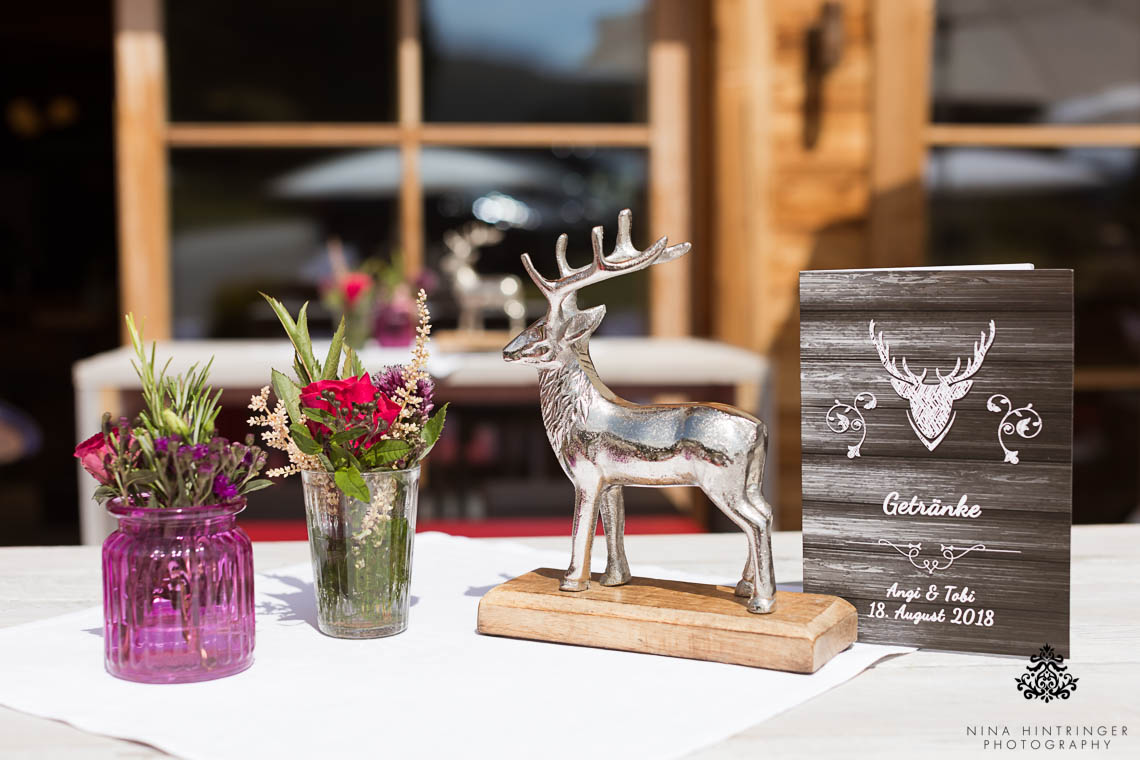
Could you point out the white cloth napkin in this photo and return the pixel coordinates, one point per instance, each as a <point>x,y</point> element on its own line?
<point>439,690</point>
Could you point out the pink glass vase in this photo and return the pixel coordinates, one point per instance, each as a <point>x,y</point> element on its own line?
<point>177,594</point>
<point>395,327</point>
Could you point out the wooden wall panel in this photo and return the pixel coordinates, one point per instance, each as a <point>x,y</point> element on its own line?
<point>741,171</point>
<point>903,34</point>
<point>782,205</point>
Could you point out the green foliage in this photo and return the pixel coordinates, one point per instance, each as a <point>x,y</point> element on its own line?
<point>385,453</point>
<point>350,439</point>
<point>304,362</point>
<point>182,405</point>
<point>352,483</point>
<point>288,392</point>
<point>169,456</point>
<point>432,430</point>
<point>333,356</point>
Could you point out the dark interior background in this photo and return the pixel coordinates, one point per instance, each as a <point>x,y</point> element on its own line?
<point>58,296</point>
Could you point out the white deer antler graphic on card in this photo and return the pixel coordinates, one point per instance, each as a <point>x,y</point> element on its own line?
<point>931,410</point>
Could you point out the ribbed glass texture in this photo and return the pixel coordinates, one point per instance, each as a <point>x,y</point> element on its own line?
<point>362,552</point>
<point>177,594</point>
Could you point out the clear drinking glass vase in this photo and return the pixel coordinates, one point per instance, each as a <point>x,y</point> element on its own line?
<point>362,552</point>
<point>177,594</point>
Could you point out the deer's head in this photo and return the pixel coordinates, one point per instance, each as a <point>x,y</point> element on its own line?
<point>557,336</point>
<point>931,410</point>
<point>463,244</point>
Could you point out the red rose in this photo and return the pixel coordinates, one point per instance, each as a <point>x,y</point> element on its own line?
<point>352,390</point>
<point>94,453</point>
<point>353,285</point>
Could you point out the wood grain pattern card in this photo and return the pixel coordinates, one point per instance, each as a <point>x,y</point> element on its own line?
<point>936,418</point>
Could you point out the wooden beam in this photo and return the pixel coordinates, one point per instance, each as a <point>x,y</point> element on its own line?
<point>140,155</point>
<point>409,75</point>
<point>188,135</point>
<point>901,39</point>
<point>1033,135</point>
<point>1106,379</point>
<point>268,135</point>
<point>537,135</point>
<point>670,165</point>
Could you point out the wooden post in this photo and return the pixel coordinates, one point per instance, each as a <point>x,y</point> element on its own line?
<point>670,200</point>
<point>742,167</point>
<point>410,104</point>
<point>140,149</point>
<point>901,39</point>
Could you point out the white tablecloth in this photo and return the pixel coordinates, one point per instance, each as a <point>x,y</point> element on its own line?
<point>438,690</point>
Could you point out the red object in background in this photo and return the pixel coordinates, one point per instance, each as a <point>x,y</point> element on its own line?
<point>294,530</point>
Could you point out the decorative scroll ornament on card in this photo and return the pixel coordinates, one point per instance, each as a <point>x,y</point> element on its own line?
<point>1024,421</point>
<point>931,412</point>
<point>843,418</point>
<point>950,553</point>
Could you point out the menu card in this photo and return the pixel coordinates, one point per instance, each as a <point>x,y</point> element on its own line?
<point>936,418</point>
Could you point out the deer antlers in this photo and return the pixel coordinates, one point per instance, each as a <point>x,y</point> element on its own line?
<point>625,258</point>
<point>981,346</point>
<point>889,364</point>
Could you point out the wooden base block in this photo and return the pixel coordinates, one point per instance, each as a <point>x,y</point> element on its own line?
<point>693,620</point>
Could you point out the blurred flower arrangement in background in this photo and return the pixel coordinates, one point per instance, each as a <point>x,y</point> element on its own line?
<point>376,299</point>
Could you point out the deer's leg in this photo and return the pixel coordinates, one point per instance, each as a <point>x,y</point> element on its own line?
<point>587,501</point>
<point>613,522</point>
<point>763,582</point>
<point>761,595</point>
<point>758,512</point>
<point>745,586</point>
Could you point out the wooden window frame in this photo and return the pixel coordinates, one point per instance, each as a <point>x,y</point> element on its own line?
<point>903,136</point>
<point>144,136</point>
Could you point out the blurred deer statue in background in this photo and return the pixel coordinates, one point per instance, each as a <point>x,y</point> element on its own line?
<point>604,442</point>
<point>476,293</point>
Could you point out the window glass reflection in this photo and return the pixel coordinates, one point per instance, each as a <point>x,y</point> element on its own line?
<point>532,196</point>
<point>1072,208</point>
<point>1050,61</point>
<point>290,60</point>
<point>522,61</point>
<point>250,220</point>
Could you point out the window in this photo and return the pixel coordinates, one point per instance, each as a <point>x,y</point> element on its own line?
<point>1032,154</point>
<point>248,138</point>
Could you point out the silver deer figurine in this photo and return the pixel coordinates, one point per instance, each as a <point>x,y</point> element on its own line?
<point>476,293</point>
<point>604,442</point>
<point>931,411</point>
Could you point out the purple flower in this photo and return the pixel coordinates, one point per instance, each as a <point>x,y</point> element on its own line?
<point>200,451</point>
<point>391,378</point>
<point>425,389</point>
<point>224,489</point>
<point>162,444</point>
